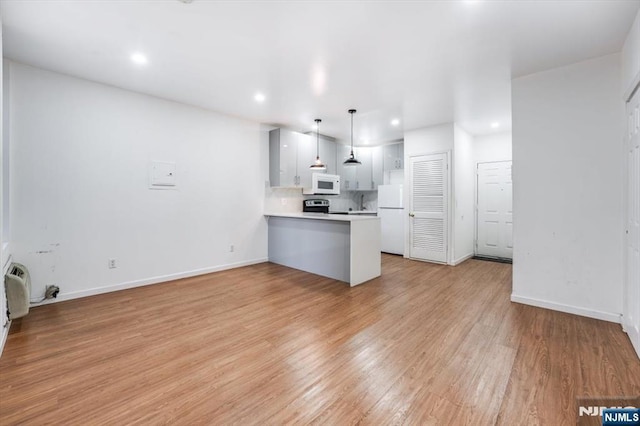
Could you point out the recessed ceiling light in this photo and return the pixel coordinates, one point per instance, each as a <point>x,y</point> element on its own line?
<point>139,58</point>
<point>259,97</point>
<point>395,122</point>
<point>495,125</point>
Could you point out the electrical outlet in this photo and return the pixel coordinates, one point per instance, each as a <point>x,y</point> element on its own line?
<point>231,248</point>
<point>51,292</point>
<point>112,264</point>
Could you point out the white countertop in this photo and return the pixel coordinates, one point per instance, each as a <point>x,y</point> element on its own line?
<point>325,216</point>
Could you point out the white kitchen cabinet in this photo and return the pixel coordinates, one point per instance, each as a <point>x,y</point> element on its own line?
<point>347,173</point>
<point>290,155</point>
<point>306,156</point>
<point>394,157</point>
<point>328,156</point>
<point>282,158</point>
<point>364,177</point>
<point>364,170</point>
<point>377,166</point>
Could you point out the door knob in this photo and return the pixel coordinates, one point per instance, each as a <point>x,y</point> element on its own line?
<point>411,215</point>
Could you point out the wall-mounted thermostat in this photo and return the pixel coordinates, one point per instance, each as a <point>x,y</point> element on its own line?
<point>162,175</point>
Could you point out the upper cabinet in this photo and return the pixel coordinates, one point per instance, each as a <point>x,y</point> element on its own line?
<point>283,145</point>
<point>364,177</point>
<point>306,157</point>
<point>347,173</point>
<point>393,157</point>
<point>291,154</point>
<point>377,166</point>
<point>363,171</point>
<point>328,154</point>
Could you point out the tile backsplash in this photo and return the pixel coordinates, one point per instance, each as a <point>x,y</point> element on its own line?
<point>281,200</point>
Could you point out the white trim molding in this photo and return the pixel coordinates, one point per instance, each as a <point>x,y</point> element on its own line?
<point>462,259</point>
<point>148,281</point>
<point>634,335</point>
<point>569,309</point>
<point>4,334</point>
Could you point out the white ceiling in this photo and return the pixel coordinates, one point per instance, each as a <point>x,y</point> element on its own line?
<point>425,62</point>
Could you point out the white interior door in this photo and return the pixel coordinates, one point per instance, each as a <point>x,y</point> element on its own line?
<point>495,210</point>
<point>632,285</point>
<point>429,200</point>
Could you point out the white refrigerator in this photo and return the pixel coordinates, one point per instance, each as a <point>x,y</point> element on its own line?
<point>391,213</point>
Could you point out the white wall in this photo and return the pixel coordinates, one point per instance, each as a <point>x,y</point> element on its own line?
<point>630,79</point>
<point>492,147</point>
<point>568,180</point>
<point>631,59</point>
<point>80,156</point>
<point>4,195</point>
<point>429,140</point>
<point>464,195</point>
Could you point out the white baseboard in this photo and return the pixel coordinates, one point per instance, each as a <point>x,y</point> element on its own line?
<point>462,259</point>
<point>148,281</point>
<point>569,309</point>
<point>4,333</point>
<point>634,335</point>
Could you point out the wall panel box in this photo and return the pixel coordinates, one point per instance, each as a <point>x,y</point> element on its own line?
<point>162,175</point>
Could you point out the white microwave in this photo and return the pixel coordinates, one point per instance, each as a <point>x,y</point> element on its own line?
<point>323,184</point>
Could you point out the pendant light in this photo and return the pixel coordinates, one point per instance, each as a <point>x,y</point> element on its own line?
<point>318,164</point>
<point>352,161</point>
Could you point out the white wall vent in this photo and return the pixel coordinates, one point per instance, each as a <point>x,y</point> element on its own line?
<point>18,286</point>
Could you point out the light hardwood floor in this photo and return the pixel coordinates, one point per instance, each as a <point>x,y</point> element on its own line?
<point>264,344</point>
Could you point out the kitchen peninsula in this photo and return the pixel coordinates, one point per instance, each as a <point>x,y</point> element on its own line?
<point>342,247</point>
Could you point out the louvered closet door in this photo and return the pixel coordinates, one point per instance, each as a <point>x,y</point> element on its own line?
<point>632,293</point>
<point>428,209</point>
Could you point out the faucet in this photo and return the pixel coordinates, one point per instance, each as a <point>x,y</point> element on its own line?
<point>362,202</point>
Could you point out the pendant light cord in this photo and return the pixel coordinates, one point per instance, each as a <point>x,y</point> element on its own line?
<point>352,111</point>
<point>318,164</point>
<point>318,138</point>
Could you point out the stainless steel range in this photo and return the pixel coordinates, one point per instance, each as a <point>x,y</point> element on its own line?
<point>315,206</point>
